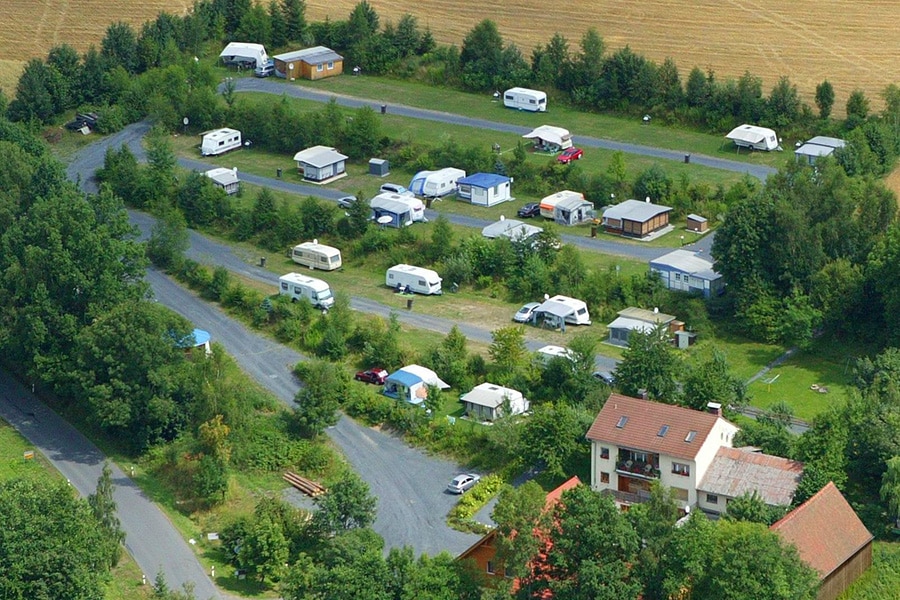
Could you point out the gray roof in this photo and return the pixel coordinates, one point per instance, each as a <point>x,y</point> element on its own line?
<point>490,395</point>
<point>386,204</point>
<point>223,176</point>
<point>696,217</point>
<point>573,202</point>
<point>510,228</point>
<point>635,210</point>
<point>820,146</point>
<point>735,471</point>
<point>313,56</point>
<point>687,262</point>
<point>631,325</point>
<point>319,156</point>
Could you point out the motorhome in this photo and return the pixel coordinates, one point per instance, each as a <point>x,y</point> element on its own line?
<point>219,141</point>
<point>317,256</point>
<point>408,278</point>
<point>525,99</point>
<point>299,286</point>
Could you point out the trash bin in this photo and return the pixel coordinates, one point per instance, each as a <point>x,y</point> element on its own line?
<point>278,173</point>
<point>262,261</point>
<point>409,302</point>
<point>687,158</point>
<point>383,108</point>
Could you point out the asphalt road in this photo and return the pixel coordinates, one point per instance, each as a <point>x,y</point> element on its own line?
<point>270,86</point>
<point>150,537</point>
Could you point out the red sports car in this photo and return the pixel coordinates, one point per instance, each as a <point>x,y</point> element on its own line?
<point>570,154</point>
<point>376,376</point>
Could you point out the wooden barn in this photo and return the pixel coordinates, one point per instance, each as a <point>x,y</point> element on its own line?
<point>830,538</point>
<point>317,62</point>
<point>635,218</point>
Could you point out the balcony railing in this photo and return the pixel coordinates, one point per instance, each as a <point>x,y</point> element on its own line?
<point>629,497</point>
<point>634,468</point>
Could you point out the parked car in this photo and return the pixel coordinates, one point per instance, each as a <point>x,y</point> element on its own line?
<point>462,483</point>
<point>346,201</point>
<point>532,209</point>
<point>523,315</point>
<point>570,154</point>
<point>395,188</point>
<point>265,70</point>
<point>605,376</point>
<point>376,376</point>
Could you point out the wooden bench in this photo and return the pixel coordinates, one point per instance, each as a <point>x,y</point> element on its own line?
<point>310,488</point>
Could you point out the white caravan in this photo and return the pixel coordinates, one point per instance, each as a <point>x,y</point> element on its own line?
<point>238,53</point>
<point>558,308</point>
<point>436,184</point>
<point>525,99</point>
<point>219,141</point>
<point>317,256</point>
<point>413,279</point>
<point>754,137</point>
<point>299,286</point>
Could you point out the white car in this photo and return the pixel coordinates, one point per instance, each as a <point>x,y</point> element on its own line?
<point>395,188</point>
<point>524,314</point>
<point>463,482</point>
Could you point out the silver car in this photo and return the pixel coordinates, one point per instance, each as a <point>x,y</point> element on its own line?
<point>346,201</point>
<point>463,482</point>
<point>524,314</point>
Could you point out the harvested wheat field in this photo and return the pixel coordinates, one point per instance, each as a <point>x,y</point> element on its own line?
<point>851,43</point>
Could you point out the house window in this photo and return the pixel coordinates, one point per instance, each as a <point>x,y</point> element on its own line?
<point>320,68</point>
<point>604,452</point>
<point>490,568</point>
<point>712,499</point>
<point>330,65</point>
<point>677,276</point>
<point>604,477</point>
<point>681,469</point>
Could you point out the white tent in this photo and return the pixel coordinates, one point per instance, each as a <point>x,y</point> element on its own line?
<point>751,136</point>
<point>548,135</point>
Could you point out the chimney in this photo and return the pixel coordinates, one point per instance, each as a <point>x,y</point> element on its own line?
<point>714,408</point>
<point>643,394</point>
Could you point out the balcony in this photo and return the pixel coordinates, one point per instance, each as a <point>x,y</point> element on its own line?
<point>628,497</point>
<point>639,469</point>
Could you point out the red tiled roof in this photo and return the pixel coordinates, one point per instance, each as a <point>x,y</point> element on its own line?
<point>736,471</point>
<point>554,496</point>
<point>825,530</point>
<point>646,420</point>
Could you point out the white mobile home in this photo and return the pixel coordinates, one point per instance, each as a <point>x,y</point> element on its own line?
<point>299,286</point>
<point>227,179</point>
<point>317,256</point>
<point>484,189</point>
<point>436,184</point>
<point>559,309</point>
<point>753,137</point>
<point>490,401</point>
<point>525,99</point>
<point>404,210</point>
<point>254,55</point>
<point>413,279</point>
<point>219,141</point>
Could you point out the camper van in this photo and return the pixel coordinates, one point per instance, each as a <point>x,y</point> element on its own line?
<point>219,141</point>
<point>299,286</point>
<point>525,99</point>
<point>317,256</point>
<point>408,278</point>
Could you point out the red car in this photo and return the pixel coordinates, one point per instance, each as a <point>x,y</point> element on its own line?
<point>376,376</point>
<point>570,154</point>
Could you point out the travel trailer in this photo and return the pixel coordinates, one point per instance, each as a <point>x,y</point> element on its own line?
<point>548,204</point>
<point>563,308</point>
<point>753,137</point>
<point>243,53</point>
<point>525,99</point>
<point>413,279</point>
<point>436,184</point>
<point>317,256</point>
<point>299,286</point>
<point>219,141</point>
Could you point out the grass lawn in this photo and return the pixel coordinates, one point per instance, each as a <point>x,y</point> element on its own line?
<point>882,580</point>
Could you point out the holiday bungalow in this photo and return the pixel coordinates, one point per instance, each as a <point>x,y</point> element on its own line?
<point>639,319</point>
<point>817,147</point>
<point>688,272</point>
<point>635,218</point>
<point>227,179</point>
<point>310,63</point>
<point>321,163</point>
<point>484,189</point>
<point>488,402</point>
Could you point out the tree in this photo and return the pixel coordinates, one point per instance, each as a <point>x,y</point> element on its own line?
<point>264,550</point>
<point>104,508</point>
<point>34,94</point>
<point>324,385</point>
<point>890,488</point>
<point>294,19</point>
<point>480,56</point>
<point>265,213</point>
<point>825,99</point>
<point>857,109</point>
<point>169,239</point>
<point>554,437</point>
<point>278,32</point>
<point>407,38</point>
<point>649,364</point>
<point>211,479</point>
<point>119,47</point>
<point>363,135</point>
<point>508,350</point>
<point>784,104</point>
<point>53,546</point>
<point>653,183</point>
<point>518,514</point>
<point>710,381</point>
<point>346,505</point>
<point>751,507</point>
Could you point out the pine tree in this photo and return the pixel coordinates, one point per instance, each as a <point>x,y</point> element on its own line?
<point>104,507</point>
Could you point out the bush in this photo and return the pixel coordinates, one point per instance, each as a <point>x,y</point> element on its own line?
<point>460,516</point>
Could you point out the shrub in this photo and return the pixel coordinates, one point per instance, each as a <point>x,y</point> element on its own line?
<point>460,516</point>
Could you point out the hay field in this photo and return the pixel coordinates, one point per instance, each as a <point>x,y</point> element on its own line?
<point>855,44</point>
<point>31,27</point>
